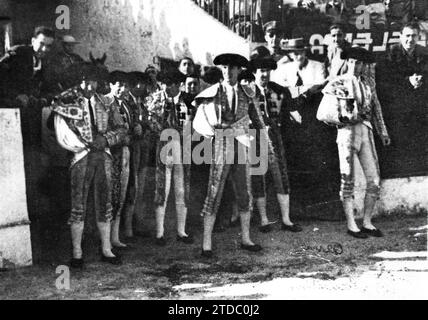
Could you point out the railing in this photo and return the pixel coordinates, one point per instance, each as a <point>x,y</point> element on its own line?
<point>241,16</point>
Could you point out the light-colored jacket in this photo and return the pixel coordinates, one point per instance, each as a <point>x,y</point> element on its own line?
<point>313,73</point>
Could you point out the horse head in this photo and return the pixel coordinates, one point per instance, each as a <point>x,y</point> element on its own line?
<point>98,62</point>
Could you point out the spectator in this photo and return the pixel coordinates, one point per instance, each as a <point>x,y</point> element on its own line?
<point>273,35</point>
<point>335,65</point>
<point>403,89</point>
<point>186,66</point>
<point>305,135</point>
<point>22,69</point>
<point>304,77</point>
<point>22,85</point>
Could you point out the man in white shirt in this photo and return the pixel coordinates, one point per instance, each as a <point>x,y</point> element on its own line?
<point>302,76</point>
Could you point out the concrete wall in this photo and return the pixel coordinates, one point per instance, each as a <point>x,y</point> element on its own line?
<point>133,31</point>
<point>15,243</point>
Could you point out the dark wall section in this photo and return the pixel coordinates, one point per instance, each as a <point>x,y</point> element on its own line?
<point>26,14</point>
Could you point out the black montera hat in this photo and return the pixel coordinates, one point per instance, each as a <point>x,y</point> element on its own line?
<point>262,63</point>
<point>172,76</point>
<point>137,76</point>
<point>75,73</point>
<point>259,52</point>
<point>211,75</point>
<point>231,59</point>
<point>246,75</point>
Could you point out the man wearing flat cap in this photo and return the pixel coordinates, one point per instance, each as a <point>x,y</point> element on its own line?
<point>275,103</point>
<point>227,105</point>
<point>273,36</point>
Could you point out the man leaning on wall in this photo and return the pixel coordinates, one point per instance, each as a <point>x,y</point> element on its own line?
<point>21,86</point>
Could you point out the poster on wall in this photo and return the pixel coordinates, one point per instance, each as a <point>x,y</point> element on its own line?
<point>373,24</point>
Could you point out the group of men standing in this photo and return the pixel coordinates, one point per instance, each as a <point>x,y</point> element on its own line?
<point>113,131</point>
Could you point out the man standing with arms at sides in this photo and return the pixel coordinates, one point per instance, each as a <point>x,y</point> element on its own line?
<point>355,139</point>
<point>275,104</point>
<point>226,105</point>
<point>118,82</point>
<point>139,153</point>
<point>170,169</point>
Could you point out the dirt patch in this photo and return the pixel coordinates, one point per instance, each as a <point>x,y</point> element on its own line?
<point>151,272</point>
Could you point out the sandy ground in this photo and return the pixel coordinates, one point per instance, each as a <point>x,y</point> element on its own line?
<point>291,266</point>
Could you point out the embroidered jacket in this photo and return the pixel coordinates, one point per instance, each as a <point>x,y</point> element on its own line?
<point>213,111</point>
<point>78,120</point>
<point>364,92</point>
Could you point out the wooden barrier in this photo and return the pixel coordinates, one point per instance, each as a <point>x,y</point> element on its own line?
<point>15,239</point>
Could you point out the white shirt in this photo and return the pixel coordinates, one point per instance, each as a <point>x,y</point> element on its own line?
<point>229,92</point>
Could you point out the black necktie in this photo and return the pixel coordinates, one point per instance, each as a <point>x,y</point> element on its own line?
<point>233,101</point>
<point>92,115</point>
<point>299,80</point>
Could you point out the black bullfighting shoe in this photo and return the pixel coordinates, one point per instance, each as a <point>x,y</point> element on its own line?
<point>186,240</point>
<point>251,248</point>
<point>373,233</point>
<point>117,260</point>
<point>358,235</point>
<point>161,242</point>
<point>207,254</point>
<point>235,223</point>
<point>267,228</point>
<point>76,263</point>
<point>294,228</point>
